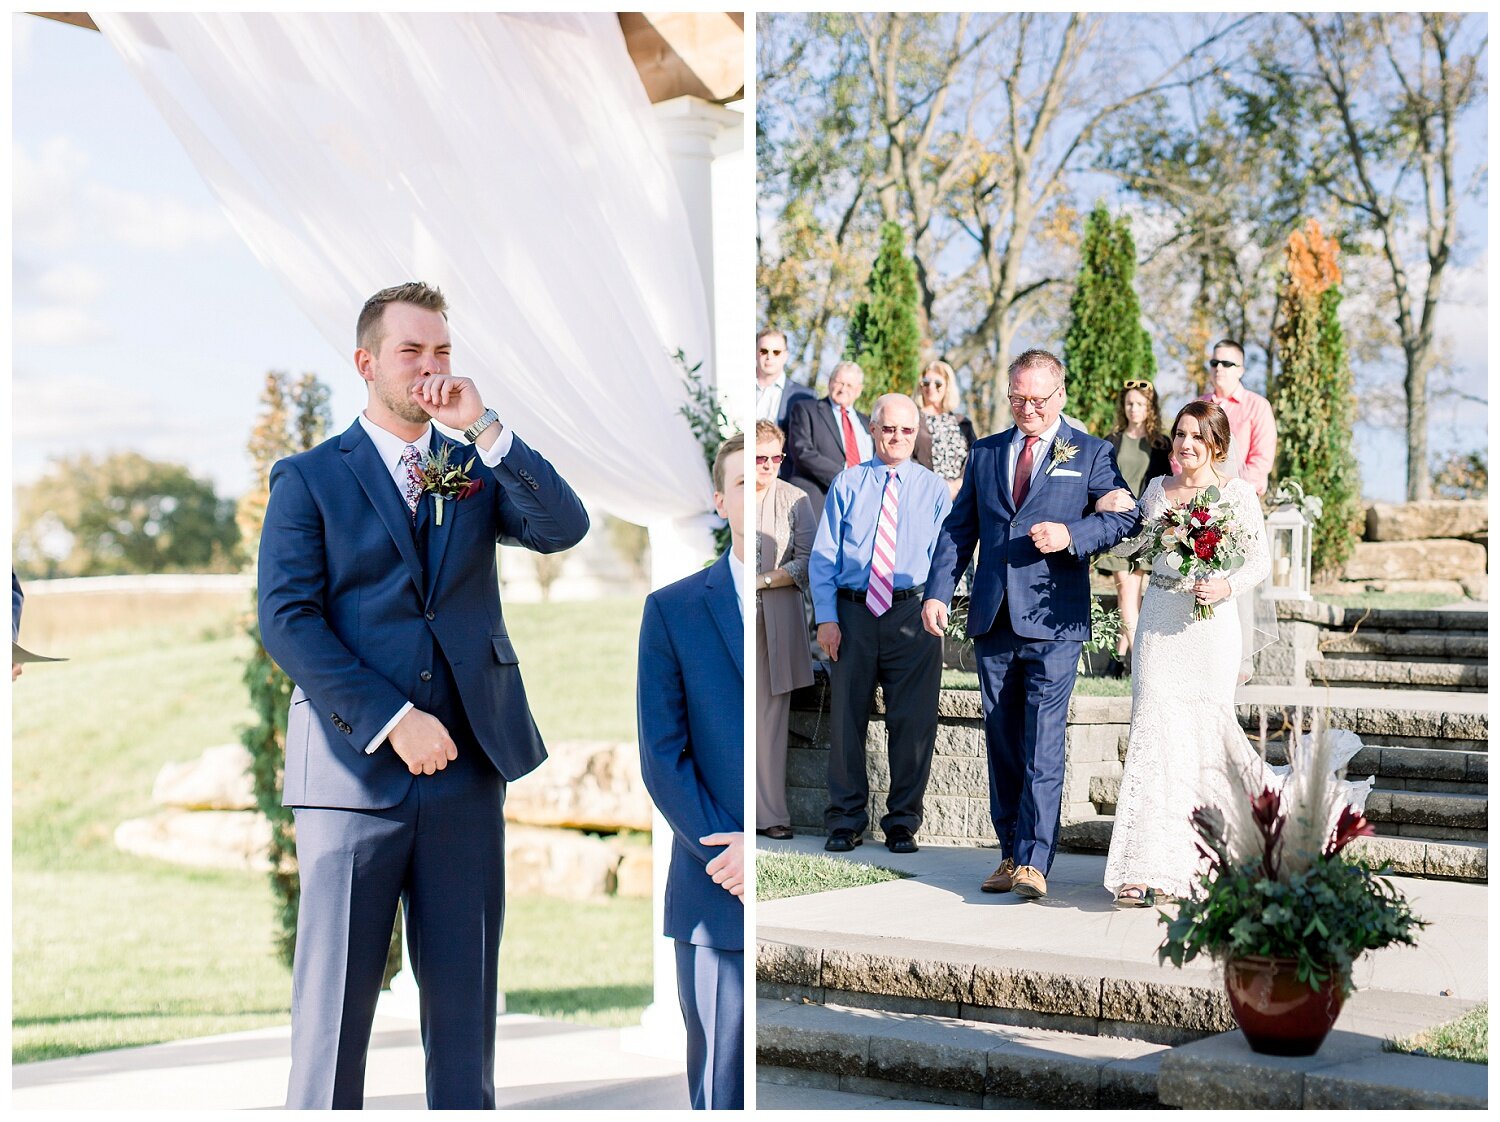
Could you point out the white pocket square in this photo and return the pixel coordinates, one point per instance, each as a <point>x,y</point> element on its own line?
<point>1068,471</point>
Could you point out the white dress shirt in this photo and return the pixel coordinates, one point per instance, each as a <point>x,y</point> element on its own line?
<point>768,398</point>
<point>1038,454</point>
<point>862,439</point>
<point>737,571</point>
<point>391,448</point>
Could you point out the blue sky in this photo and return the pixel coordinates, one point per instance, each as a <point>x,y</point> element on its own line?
<point>141,321</point>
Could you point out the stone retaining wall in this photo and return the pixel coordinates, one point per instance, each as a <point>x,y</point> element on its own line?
<point>957,806</point>
<point>1435,546</point>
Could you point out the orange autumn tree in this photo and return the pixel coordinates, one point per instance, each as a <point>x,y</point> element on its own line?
<point>1312,396</point>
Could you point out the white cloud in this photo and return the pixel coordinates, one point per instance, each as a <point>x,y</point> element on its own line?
<point>56,205</point>
<point>57,325</point>
<point>69,284</point>
<point>154,221</point>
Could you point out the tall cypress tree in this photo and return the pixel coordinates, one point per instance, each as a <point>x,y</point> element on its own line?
<point>1312,396</point>
<point>1105,344</point>
<point>885,337</point>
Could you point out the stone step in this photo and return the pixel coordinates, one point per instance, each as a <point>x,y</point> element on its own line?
<point>1382,716</point>
<point>955,1062</point>
<point>779,1088</point>
<point>1401,675</point>
<point>1430,812</point>
<point>1450,621</point>
<point>1394,767</point>
<point>1431,855</point>
<point>1407,644</point>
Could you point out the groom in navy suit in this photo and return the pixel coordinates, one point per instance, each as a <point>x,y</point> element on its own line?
<point>1037,499</point>
<point>690,693</point>
<point>409,717</point>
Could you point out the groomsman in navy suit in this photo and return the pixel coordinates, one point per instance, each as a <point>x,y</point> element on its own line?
<point>409,717</point>
<point>690,694</point>
<point>1037,499</point>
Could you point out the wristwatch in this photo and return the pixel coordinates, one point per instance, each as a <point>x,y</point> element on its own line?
<point>486,419</point>
<point>766,580</point>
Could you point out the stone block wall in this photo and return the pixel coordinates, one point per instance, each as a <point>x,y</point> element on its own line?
<point>1439,546</point>
<point>957,806</point>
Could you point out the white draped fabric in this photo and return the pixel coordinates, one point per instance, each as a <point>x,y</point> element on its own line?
<point>511,159</point>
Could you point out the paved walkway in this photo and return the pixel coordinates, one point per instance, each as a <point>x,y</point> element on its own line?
<point>539,1064</point>
<point>943,906</point>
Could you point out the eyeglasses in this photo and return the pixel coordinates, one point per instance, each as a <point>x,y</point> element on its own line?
<point>769,351</point>
<point>1224,362</point>
<point>776,459</point>
<point>1137,384</point>
<point>892,430</point>
<point>1019,403</point>
<point>932,381</point>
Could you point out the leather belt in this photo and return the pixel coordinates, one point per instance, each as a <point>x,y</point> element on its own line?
<point>858,594</point>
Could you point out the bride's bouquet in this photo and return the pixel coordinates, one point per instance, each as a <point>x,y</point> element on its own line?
<point>1197,539</point>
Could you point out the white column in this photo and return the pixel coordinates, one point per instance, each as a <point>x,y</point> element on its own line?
<point>704,142</point>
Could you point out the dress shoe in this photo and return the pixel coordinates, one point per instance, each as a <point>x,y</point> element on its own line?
<point>1002,879</point>
<point>1030,883</point>
<point>776,833</point>
<point>898,839</point>
<point>842,841</point>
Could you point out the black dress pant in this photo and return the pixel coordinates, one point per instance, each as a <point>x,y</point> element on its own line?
<point>895,652</point>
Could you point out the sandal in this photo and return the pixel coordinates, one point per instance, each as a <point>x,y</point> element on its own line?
<point>1132,896</point>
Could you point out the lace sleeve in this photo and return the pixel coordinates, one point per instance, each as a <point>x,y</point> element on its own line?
<point>1151,504</point>
<point>1257,556</point>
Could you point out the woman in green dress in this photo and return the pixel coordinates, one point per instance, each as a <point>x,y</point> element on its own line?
<point>1142,453</point>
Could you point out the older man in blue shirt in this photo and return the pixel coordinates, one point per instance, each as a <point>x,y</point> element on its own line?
<point>867,572</point>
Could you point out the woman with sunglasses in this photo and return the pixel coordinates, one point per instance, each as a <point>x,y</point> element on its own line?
<point>945,435</point>
<point>1142,453</point>
<point>786,522</point>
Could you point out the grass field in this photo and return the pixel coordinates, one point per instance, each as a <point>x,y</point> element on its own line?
<point>112,950</point>
<point>1466,1039</point>
<point>779,875</point>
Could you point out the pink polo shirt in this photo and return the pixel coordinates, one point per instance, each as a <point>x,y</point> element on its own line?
<point>1252,449</point>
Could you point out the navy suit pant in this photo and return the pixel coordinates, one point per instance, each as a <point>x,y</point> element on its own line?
<point>711,990</point>
<point>441,851</point>
<point>1026,685</point>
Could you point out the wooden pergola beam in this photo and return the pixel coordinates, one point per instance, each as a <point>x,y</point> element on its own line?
<point>675,53</point>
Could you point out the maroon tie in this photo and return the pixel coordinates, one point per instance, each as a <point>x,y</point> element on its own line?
<point>1022,483</point>
<point>851,446</point>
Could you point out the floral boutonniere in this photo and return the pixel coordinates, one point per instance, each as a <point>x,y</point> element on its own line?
<point>1062,452</point>
<point>442,479</point>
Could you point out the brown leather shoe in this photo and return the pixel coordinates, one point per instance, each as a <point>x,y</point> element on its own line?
<point>1002,879</point>
<point>1029,883</point>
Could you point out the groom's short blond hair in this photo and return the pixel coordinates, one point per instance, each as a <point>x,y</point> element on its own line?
<point>1036,357</point>
<point>369,331</point>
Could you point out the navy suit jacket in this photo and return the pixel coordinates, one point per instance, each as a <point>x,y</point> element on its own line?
<point>817,446</point>
<point>690,713</point>
<point>1046,595</point>
<point>793,393</point>
<point>347,610</point>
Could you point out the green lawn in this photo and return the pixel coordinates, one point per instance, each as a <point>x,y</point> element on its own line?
<point>1404,600</point>
<point>779,875</point>
<point>112,950</point>
<point>1466,1039</point>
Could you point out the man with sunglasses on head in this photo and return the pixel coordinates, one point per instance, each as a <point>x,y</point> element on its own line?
<point>1040,497</point>
<point>775,393</point>
<point>868,567</point>
<point>1252,428</point>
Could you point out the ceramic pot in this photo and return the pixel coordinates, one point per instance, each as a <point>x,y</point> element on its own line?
<point>1279,1015</point>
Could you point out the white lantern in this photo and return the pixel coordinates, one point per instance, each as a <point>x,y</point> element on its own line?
<point>1289,533</point>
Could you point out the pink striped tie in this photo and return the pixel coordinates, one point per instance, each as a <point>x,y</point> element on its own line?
<point>883,563</point>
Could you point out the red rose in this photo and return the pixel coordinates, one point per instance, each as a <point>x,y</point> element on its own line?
<point>1201,516</point>
<point>470,488</point>
<point>1205,544</point>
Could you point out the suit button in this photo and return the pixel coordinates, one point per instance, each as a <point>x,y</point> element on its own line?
<point>426,675</point>
<point>432,615</point>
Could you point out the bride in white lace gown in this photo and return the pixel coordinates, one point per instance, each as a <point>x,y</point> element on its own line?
<point>1186,748</point>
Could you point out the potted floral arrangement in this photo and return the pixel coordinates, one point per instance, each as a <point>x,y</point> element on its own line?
<point>1282,905</point>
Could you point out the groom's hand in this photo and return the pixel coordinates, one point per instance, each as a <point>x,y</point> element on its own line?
<point>935,617</point>
<point>1050,537</point>
<point>450,401</point>
<point>830,638</point>
<point>728,868</point>
<point>423,743</point>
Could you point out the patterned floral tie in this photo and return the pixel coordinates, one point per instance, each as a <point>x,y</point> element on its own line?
<point>883,563</point>
<point>412,459</point>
